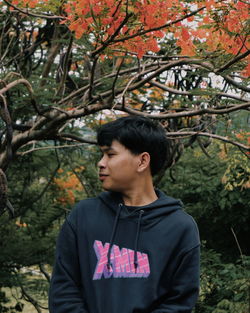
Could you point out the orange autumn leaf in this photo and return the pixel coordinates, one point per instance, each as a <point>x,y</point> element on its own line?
<point>68,184</point>
<point>185,34</point>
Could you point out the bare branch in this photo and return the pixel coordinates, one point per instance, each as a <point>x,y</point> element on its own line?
<point>158,70</point>
<point>231,81</point>
<point>77,93</point>
<point>45,273</point>
<point>233,61</point>
<point>184,134</point>
<point>133,78</point>
<point>171,23</point>
<point>186,113</point>
<point>28,297</point>
<point>3,55</point>
<point>238,244</point>
<point>149,68</point>
<point>111,39</point>
<point>168,89</point>
<point>55,48</point>
<point>51,147</point>
<point>5,115</point>
<point>17,82</point>
<point>92,77</point>
<point>76,138</point>
<point>188,93</point>
<point>27,12</point>
<point>64,68</point>
<point>116,77</point>
<point>27,85</point>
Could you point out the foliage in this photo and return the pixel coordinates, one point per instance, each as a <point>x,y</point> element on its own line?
<point>68,185</point>
<point>238,169</point>
<point>224,286</point>
<point>128,25</point>
<point>199,181</point>
<point>45,185</point>
<point>219,202</point>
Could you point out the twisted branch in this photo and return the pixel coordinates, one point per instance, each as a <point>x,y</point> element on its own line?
<point>184,134</point>
<point>186,113</point>
<point>27,12</point>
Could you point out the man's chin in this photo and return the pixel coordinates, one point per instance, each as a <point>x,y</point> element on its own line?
<point>110,188</point>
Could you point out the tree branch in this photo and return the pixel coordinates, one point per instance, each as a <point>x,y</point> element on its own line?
<point>51,147</point>
<point>184,134</point>
<point>158,70</point>
<point>54,49</point>
<point>27,12</point>
<point>92,77</point>
<point>27,85</point>
<point>45,273</point>
<point>17,82</point>
<point>233,61</point>
<point>76,138</point>
<point>186,113</point>
<point>111,38</point>
<point>231,81</point>
<point>188,93</point>
<point>149,68</point>
<point>116,77</point>
<point>171,23</point>
<point>64,68</point>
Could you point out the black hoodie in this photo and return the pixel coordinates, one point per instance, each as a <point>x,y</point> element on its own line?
<point>112,258</point>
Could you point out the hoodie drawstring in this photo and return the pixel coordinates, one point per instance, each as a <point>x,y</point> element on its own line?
<point>109,264</point>
<point>137,238</point>
<point>113,235</point>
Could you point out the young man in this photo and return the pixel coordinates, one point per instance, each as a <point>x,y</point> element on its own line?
<point>132,249</point>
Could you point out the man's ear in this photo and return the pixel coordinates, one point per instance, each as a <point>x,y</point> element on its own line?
<point>144,162</point>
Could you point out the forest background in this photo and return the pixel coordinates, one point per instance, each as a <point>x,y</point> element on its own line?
<point>67,67</point>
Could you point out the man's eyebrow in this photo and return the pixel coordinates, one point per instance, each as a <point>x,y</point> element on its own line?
<point>107,149</point>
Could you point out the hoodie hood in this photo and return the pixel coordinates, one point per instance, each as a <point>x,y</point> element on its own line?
<point>163,206</point>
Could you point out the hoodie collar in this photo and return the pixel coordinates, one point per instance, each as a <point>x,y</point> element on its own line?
<point>161,207</point>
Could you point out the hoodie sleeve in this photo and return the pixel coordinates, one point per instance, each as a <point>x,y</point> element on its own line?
<point>65,294</point>
<point>184,291</point>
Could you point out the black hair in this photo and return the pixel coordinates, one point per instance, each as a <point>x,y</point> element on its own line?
<point>138,134</point>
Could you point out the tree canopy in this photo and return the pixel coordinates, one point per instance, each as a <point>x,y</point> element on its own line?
<point>183,62</point>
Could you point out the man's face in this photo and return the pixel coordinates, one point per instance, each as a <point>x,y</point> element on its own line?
<point>118,167</point>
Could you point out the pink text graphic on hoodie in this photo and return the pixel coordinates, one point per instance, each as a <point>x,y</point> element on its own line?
<point>122,262</point>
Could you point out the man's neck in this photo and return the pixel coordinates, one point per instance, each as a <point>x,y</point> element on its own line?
<point>140,196</point>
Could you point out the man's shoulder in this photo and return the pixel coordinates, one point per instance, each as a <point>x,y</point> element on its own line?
<point>188,227</point>
<point>82,209</point>
<point>182,223</point>
<point>185,218</point>
<point>86,204</point>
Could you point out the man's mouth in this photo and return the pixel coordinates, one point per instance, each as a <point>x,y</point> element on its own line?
<point>102,176</point>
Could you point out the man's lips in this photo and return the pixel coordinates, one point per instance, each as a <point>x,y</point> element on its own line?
<point>102,176</point>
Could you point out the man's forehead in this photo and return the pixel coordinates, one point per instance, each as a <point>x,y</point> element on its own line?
<point>114,145</point>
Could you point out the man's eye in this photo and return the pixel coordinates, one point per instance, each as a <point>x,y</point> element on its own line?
<point>110,154</point>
